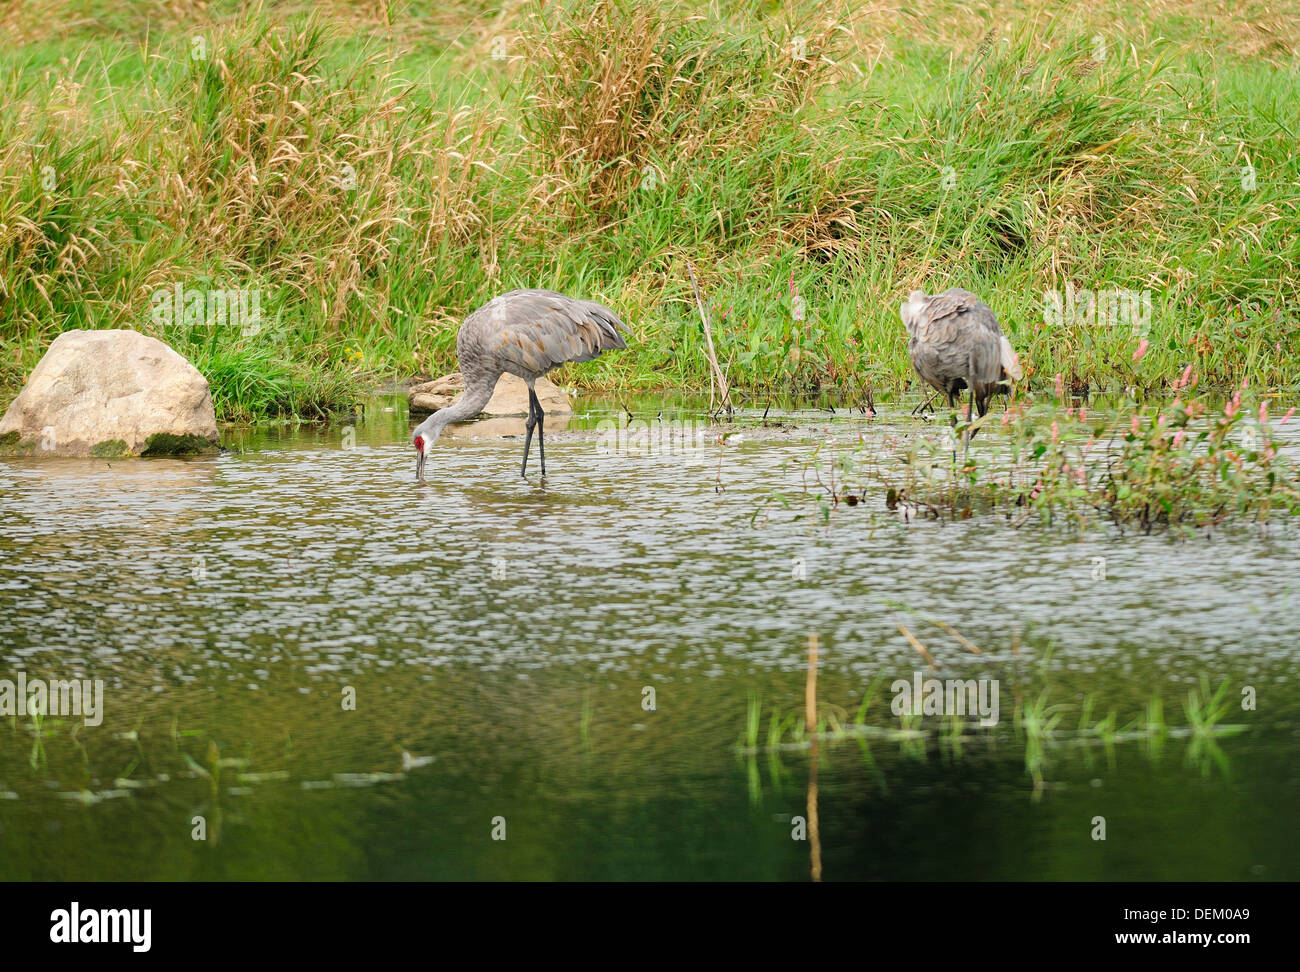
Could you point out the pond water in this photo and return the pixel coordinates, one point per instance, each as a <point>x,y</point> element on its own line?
<point>324,671</point>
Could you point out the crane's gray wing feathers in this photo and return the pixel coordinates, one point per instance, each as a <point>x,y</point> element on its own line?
<point>953,301</point>
<point>529,332</point>
<point>986,360</point>
<point>960,338</point>
<point>955,340</point>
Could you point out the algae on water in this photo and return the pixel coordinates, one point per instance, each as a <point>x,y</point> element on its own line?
<point>110,449</point>
<point>167,444</point>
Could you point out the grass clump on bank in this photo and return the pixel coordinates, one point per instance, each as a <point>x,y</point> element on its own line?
<point>375,174</point>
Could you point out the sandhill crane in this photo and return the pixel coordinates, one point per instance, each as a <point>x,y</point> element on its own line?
<point>955,342</point>
<point>525,333</point>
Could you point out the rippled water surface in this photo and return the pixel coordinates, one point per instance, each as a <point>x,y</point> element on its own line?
<point>573,667</point>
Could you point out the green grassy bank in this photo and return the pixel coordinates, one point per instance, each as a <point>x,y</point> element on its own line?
<point>372,172</point>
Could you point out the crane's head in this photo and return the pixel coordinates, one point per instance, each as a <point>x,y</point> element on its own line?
<point>911,310</point>
<point>423,438</point>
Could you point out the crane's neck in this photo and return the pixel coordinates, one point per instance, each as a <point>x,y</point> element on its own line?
<point>471,402</point>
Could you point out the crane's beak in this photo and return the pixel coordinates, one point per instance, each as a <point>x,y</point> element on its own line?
<point>419,465</point>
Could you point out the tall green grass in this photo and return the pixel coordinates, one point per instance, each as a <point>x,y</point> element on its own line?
<point>376,172</point>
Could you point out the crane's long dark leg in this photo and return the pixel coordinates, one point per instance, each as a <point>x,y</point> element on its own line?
<point>528,438</point>
<point>953,397</point>
<point>970,417</point>
<point>541,421</point>
<point>983,406</point>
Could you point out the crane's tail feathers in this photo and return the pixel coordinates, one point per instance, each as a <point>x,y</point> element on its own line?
<point>609,325</point>
<point>1011,360</point>
<point>594,329</point>
<point>605,327</point>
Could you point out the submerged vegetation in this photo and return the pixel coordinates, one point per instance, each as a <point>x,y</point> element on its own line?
<point>370,173</point>
<point>1037,723</point>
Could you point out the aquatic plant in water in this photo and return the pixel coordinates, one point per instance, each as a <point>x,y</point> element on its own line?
<point>1037,723</point>
<point>1190,463</point>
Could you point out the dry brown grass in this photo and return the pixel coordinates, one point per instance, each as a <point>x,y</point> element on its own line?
<point>1267,30</point>
<point>262,166</point>
<point>616,94</point>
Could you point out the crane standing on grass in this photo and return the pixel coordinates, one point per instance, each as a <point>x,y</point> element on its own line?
<point>955,342</point>
<point>525,333</point>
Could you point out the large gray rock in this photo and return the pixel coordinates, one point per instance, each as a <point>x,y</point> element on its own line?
<point>110,393</point>
<point>509,398</point>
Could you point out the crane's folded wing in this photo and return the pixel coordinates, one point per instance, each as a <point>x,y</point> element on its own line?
<point>538,331</point>
<point>950,302</point>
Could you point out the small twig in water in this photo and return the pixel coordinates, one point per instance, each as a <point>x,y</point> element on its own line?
<point>928,403</point>
<point>961,639</point>
<point>921,649</point>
